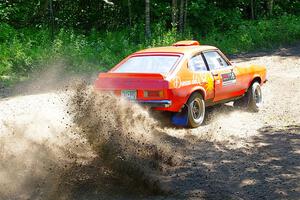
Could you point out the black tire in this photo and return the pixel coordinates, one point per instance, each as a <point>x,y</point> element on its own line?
<point>196,110</point>
<point>255,97</point>
<point>252,99</point>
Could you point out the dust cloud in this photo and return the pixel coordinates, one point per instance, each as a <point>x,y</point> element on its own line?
<point>35,146</point>
<point>73,141</point>
<point>123,135</point>
<point>52,143</point>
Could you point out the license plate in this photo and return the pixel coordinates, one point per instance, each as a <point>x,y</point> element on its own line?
<point>129,94</point>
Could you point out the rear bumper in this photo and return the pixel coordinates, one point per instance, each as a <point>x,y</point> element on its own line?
<point>155,103</point>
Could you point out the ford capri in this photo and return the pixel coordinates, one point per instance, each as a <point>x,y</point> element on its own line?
<point>184,78</point>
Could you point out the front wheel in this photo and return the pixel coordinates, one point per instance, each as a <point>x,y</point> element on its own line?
<point>255,97</point>
<point>252,99</point>
<point>196,110</point>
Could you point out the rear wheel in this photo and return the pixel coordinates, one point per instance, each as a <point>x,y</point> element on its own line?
<point>196,110</point>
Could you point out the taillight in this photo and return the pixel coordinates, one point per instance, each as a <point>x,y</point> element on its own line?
<point>117,92</point>
<point>153,93</point>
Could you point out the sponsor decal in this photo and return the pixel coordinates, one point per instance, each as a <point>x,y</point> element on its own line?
<point>198,78</point>
<point>228,79</point>
<point>177,82</point>
<point>201,79</point>
<point>185,83</point>
<point>209,82</point>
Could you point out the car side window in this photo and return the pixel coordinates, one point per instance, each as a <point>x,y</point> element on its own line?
<point>215,60</point>
<point>197,64</point>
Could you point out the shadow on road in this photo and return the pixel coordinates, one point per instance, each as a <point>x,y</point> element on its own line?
<point>268,170</point>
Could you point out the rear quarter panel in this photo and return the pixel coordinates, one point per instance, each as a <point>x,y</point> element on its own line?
<point>184,82</point>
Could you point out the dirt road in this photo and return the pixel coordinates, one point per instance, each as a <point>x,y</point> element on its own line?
<point>236,155</point>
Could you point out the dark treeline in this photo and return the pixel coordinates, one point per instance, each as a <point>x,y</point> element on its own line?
<point>111,15</point>
<point>93,35</point>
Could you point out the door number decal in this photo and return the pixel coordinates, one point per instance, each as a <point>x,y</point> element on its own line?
<point>228,79</point>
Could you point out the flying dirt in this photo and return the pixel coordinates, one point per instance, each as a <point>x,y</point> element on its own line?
<point>73,143</point>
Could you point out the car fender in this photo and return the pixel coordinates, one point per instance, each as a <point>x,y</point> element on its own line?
<point>255,76</point>
<point>181,95</point>
<point>194,89</point>
<point>258,71</point>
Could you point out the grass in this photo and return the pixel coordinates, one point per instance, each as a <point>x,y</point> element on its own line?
<point>252,35</point>
<point>26,50</point>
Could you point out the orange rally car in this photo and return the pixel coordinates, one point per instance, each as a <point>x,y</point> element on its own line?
<point>184,78</point>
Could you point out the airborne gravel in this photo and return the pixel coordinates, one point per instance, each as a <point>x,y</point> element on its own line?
<point>236,155</point>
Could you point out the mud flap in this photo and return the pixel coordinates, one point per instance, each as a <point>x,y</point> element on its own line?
<point>180,118</point>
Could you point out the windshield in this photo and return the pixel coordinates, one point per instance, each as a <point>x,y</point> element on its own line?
<point>147,64</point>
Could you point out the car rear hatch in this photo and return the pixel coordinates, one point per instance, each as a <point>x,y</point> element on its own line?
<point>149,89</point>
<point>130,81</point>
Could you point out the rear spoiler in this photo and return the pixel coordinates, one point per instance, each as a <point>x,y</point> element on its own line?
<point>131,75</point>
<point>130,81</point>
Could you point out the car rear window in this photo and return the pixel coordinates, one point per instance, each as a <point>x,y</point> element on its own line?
<point>147,64</point>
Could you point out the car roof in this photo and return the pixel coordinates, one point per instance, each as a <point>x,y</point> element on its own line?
<point>178,49</point>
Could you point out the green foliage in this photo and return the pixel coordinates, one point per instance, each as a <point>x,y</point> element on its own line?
<point>202,15</point>
<point>25,50</point>
<point>211,15</point>
<point>251,35</point>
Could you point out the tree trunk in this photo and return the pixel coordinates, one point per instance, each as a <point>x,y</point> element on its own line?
<point>181,17</point>
<point>270,5</point>
<point>147,19</point>
<point>42,12</point>
<point>51,18</point>
<point>174,13</point>
<point>185,14</point>
<point>252,9</point>
<point>129,13</point>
